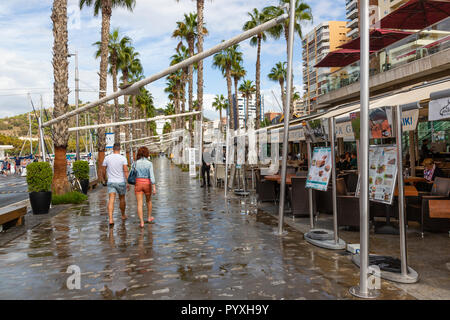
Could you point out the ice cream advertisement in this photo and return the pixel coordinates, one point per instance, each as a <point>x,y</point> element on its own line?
<point>320,169</point>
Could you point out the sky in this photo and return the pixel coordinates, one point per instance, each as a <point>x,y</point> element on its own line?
<point>27,40</point>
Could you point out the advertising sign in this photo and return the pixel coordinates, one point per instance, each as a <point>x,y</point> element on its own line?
<point>109,140</point>
<point>315,131</point>
<point>320,169</point>
<point>344,130</point>
<point>382,173</point>
<point>380,123</point>
<point>439,109</point>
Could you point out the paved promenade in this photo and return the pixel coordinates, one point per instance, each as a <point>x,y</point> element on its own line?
<point>201,247</point>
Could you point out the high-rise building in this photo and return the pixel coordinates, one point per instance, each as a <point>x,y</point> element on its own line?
<point>242,102</point>
<point>324,38</point>
<point>378,9</point>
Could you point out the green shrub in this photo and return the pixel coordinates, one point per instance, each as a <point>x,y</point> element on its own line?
<point>39,177</point>
<point>73,197</point>
<point>81,170</point>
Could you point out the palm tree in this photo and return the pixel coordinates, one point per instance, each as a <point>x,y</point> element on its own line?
<point>182,54</point>
<point>303,13</point>
<point>114,45</point>
<point>220,103</point>
<point>278,74</point>
<point>60,184</point>
<point>127,57</point>
<point>106,7</point>
<point>257,18</point>
<point>224,61</point>
<point>247,88</point>
<point>200,33</point>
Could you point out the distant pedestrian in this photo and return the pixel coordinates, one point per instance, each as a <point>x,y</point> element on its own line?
<point>206,167</point>
<point>145,184</point>
<point>116,167</point>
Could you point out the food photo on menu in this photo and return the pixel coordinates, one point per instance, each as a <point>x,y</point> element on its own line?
<point>382,173</point>
<point>320,169</point>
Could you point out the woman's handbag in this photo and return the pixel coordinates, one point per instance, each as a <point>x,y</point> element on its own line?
<point>132,175</point>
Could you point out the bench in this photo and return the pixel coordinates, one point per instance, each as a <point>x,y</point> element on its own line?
<point>12,214</point>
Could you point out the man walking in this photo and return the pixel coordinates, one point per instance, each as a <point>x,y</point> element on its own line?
<point>206,167</point>
<point>117,171</point>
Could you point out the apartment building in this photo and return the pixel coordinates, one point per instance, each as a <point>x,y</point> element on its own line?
<point>241,108</point>
<point>325,37</point>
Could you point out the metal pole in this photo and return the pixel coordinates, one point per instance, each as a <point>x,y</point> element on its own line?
<point>41,136</point>
<point>363,290</point>
<point>401,195</point>
<point>227,153</point>
<point>77,90</point>
<point>185,63</point>
<point>310,192</point>
<point>286,115</point>
<point>333,177</point>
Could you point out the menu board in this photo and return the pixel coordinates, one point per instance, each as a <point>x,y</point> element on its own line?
<point>320,169</point>
<point>382,173</point>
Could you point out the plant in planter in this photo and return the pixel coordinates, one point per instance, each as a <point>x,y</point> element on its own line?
<point>39,180</point>
<point>81,172</point>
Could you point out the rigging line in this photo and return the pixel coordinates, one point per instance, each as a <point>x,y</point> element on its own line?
<point>35,114</point>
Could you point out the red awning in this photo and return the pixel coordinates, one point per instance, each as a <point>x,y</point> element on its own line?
<point>417,14</point>
<point>339,58</point>
<point>379,39</point>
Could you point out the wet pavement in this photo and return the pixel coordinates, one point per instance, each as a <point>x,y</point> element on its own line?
<point>201,247</point>
<point>13,188</point>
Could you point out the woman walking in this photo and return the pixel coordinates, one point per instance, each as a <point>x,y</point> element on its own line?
<point>145,184</point>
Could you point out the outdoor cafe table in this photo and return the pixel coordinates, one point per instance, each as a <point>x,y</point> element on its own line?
<point>277,178</point>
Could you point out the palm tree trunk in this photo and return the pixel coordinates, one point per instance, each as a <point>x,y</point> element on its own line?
<point>135,116</point>
<point>60,184</point>
<point>101,142</point>
<point>190,90</point>
<point>200,9</point>
<point>116,100</point>
<point>220,119</point>
<point>283,94</point>
<point>127,114</point>
<point>236,100</point>
<point>230,98</point>
<point>246,111</point>
<point>258,84</point>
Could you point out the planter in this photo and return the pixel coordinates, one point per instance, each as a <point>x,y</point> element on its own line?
<point>40,202</point>
<point>84,185</point>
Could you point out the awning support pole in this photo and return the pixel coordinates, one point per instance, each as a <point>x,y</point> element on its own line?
<point>286,115</point>
<point>363,290</point>
<point>401,193</point>
<point>333,177</point>
<point>310,191</point>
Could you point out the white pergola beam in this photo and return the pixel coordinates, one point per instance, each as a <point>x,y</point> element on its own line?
<point>132,89</point>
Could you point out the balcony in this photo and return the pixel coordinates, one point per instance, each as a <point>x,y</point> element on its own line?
<point>353,33</point>
<point>414,58</point>
<point>352,14</point>
<point>350,3</point>
<point>353,23</point>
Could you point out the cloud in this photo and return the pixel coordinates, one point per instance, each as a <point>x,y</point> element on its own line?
<point>27,42</point>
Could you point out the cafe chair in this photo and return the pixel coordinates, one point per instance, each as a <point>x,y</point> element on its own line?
<point>265,189</point>
<point>347,206</point>
<point>432,209</point>
<point>298,196</point>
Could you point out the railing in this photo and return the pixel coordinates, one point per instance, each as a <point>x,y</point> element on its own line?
<point>414,47</point>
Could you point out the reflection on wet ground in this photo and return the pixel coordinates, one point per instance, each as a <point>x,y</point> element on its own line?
<point>201,247</point>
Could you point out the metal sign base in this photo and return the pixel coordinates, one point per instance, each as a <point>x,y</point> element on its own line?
<point>241,192</point>
<point>325,239</point>
<point>411,277</point>
<point>371,294</point>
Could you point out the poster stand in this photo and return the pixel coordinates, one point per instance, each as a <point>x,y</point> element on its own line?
<point>328,239</point>
<point>391,268</point>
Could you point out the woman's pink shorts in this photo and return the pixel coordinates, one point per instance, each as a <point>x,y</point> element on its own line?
<point>143,186</point>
